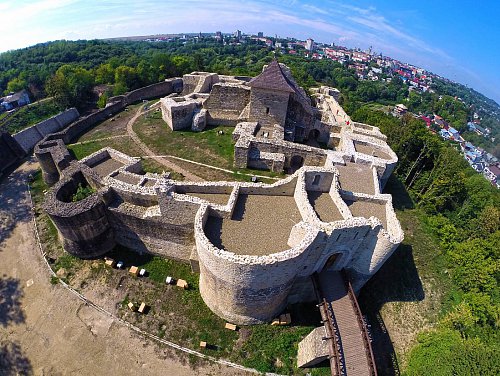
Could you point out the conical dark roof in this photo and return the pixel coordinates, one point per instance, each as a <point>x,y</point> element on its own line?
<point>272,78</point>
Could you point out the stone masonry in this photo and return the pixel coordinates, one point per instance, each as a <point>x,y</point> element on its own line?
<point>328,213</point>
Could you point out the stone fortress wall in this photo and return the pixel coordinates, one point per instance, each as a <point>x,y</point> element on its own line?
<point>29,137</point>
<point>329,213</point>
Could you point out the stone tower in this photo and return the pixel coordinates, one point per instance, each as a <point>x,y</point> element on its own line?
<point>270,92</point>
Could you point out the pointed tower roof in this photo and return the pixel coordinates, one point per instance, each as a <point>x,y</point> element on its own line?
<point>272,78</point>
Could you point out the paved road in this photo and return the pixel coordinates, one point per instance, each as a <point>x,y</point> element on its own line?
<point>46,330</point>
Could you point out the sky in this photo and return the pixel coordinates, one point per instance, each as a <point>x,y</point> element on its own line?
<point>457,39</point>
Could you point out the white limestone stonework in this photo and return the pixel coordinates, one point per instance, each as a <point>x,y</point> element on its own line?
<point>318,217</point>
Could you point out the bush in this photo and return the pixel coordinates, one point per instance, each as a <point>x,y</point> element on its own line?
<point>82,192</point>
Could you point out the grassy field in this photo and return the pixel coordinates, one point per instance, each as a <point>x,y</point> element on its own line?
<point>175,314</point>
<point>208,147</point>
<point>30,115</point>
<point>114,126</point>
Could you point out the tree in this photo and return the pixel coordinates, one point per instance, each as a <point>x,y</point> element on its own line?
<point>126,77</point>
<point>70,86</point>
<point>105,74</point>
<point>15,85</point>
<point>101,102</point>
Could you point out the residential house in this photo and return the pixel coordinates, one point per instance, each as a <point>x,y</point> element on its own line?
<point>400,109</point>
<point>15,100</point>
<point>492,173</point>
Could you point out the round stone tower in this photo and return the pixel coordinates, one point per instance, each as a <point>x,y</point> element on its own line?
<point>83,225</point>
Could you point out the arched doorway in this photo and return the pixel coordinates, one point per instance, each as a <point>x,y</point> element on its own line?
<point>331,261</point>
<point>296,162</point>
<point>313,135</point>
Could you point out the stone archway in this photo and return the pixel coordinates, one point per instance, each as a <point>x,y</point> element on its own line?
<point>296,162</point>
<point>331,261</point>
<point>313,135</point>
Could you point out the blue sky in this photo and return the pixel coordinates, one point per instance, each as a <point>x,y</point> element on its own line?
<point>457,39</point>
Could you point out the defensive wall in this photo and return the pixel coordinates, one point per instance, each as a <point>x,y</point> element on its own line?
<point>67,126</point>
<point>150,213</point>
<point>29,137</point>
<point>115,105</point>
<point>328,214</point>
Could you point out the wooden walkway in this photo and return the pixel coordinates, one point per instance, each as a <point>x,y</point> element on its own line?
<point>355,355</point>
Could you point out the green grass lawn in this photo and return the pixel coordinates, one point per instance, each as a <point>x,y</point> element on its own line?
<point>207,147</point>
<point>409,291</point>
<point>114,126</point>
<point>30,115</point>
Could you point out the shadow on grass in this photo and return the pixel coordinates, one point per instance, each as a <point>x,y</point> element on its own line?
<point>401,200</point>
<point>396,281</point>
<point>13,361</point>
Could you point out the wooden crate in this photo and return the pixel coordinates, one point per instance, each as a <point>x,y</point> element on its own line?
<point>182,284</point>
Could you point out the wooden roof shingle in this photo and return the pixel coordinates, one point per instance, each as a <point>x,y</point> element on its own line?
<point>272,78</point>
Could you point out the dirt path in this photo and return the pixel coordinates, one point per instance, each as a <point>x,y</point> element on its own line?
<point>188,175</point>
<point>46,330</point>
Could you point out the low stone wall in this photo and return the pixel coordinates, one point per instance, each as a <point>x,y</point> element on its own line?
<point>29,137</point>
<point>310,156</point>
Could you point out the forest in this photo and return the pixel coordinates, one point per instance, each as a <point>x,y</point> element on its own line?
<point>457,205</point>
<point>69,70</point>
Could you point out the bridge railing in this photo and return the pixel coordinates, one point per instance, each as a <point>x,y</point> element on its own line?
<point>362,325</point>
<point>331,328</point>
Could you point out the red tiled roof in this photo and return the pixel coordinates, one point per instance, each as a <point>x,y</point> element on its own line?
<point>272,78</point>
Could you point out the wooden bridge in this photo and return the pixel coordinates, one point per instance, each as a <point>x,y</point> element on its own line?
<point>346,336</point>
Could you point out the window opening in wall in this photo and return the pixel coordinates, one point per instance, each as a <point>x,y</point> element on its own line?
<point>316,180</point>
<point>267,110</point>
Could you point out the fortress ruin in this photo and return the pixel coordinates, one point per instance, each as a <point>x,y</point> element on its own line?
<point>255,245</point>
